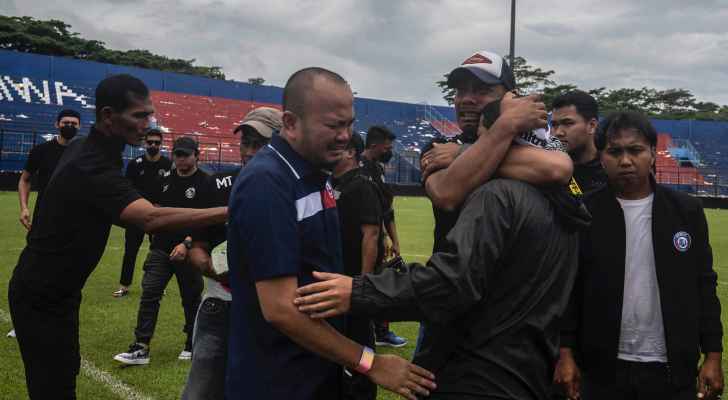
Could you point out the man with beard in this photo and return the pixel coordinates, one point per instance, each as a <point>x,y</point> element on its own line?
<point>189,187</point>
<point>84,197</point>
<point>377,153</point>
<point>206,379</point>
<point>42,161</point>
<point>574,122</point>
<point>283,226</point>
<point>145,173</point>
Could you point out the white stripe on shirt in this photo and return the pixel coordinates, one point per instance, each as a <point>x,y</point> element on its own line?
<point>309,206</point>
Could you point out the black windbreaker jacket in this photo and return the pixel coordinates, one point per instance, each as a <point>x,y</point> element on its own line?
<point>502,290</point>
<point>687,282</point>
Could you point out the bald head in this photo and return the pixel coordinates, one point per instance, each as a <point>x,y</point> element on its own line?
<point>300,85</point>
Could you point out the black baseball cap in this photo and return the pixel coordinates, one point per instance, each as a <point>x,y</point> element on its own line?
<point>186,145</point>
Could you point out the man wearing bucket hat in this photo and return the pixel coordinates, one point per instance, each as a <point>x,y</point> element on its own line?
<point>206,379</point>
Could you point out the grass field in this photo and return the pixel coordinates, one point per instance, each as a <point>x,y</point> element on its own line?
<point>107,324</point>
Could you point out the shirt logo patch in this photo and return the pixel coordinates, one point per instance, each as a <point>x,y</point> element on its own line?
<point>164,188</point>
<point>682,241</point>
<point>190,193</point>
<point>327,197</point>
<point>162,172</point>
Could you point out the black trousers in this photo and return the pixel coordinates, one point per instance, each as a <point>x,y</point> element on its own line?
<point>638,381</point>
<point>158,270</point>
<point>48,341</point>
<point>133,238</point>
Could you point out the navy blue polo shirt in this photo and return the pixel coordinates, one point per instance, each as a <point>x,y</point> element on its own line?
<point>282,222</point>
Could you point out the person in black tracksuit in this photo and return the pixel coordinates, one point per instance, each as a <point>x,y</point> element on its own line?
<point>145,173</point>
<point>187,186</point>
<point>644,304</point>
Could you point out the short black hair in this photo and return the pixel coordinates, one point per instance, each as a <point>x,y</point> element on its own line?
<point>68,113</point>
<point>586,105</point>
<point>621,120</point>
<point>118,91</point>
<point>379,134</point>
<point>155,132</point>
<point>300,83</point>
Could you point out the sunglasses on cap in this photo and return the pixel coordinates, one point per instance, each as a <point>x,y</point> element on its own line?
<point>154,142</point>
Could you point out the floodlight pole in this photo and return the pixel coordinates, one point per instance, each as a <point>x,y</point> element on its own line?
<point>512,53</point>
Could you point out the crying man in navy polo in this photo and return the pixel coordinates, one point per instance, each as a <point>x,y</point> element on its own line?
<point>283,231</point>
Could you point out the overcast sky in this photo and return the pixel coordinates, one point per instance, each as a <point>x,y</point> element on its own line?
<point>395,50</point>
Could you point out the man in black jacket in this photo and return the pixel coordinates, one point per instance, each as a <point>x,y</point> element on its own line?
<point>502,286</point>
<point>644,305</point>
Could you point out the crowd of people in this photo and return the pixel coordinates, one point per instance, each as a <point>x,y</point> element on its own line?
<point>560,268</point>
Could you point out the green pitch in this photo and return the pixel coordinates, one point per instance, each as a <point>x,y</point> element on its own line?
<point>107,323</point>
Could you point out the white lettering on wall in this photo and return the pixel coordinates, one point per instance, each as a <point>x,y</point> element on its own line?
<point>42,91</point>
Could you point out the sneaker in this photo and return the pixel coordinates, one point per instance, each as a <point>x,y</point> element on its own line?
<point>186,354</point>
<point>138,354</point>
<point>11,334</point>
<point>121,292</point>
<point>391,340</point>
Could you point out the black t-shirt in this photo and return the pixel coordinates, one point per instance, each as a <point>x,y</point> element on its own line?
<point>223,184</point>
<point>147,176</point>
<point>590,176</point>
<point>194,191</point>
<point>358,204</point>
<point>86,194</point>
<point>42,161</point>
<point>375,171</point>
<point>444,220</point>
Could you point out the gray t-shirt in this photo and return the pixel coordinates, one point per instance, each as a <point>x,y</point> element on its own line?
<point>642,336</point>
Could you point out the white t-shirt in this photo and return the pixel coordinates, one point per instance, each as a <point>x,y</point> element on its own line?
<point>642,335</point>
<point>220,264</point>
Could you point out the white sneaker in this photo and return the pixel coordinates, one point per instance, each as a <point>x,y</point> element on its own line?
<point>138,354</point>
<point>185,355</point>
<point>11,334</point>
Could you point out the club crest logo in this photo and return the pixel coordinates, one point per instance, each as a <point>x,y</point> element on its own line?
<point>190,193</point>
<point>682,241</point>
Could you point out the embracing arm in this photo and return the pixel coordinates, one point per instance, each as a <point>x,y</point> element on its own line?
<point>151,219</point>
<point>451,283</point>
<point>537,166</point>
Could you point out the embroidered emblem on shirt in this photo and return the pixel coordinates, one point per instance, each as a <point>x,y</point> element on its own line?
<point>682,241</point>
<point>164,188</point>
<point>190,193</point>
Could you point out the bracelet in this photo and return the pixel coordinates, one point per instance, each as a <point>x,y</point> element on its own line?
<point>366,361</point>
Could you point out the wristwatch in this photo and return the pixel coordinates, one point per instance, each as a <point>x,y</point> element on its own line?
<point>187,243</point>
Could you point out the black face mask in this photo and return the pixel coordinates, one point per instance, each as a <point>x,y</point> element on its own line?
<point>384,158</point>
<point>68,131</point>
<point>152,151</point>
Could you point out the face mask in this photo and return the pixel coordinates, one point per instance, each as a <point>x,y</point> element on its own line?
<point>152,151</point>
<point>68,131</point>
<point>384,158</point>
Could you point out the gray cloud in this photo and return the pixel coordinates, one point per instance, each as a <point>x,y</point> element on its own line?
<point>397,49</point>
